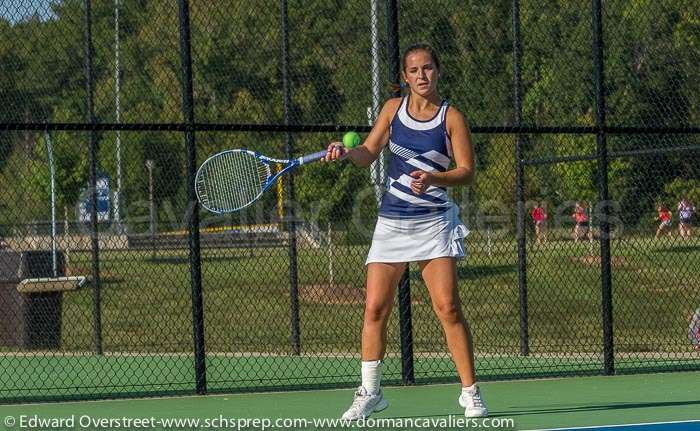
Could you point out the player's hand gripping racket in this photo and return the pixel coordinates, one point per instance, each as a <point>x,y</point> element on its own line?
<point>231,180</point>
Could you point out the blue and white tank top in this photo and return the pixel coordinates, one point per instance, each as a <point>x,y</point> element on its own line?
<point>416,144</point>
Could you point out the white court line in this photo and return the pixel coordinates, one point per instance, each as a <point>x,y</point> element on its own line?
<point>594,427</point>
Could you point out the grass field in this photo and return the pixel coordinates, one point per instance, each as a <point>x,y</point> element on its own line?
<point>147,318</point>
<point>146,303</point>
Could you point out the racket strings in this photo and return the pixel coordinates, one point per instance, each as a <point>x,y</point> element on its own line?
<point>231,181</point>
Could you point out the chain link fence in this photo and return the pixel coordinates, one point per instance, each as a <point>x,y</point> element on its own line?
<point>114,283</point>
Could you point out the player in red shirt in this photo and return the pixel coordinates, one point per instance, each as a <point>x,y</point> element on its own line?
<point>539,217</point>
<point>581,219</point>
<point>665,216</point>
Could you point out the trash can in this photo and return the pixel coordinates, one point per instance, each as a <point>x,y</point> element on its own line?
<point>29,320</point>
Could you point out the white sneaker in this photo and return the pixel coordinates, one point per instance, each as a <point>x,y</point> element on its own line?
<point>474,405</point>
<point>364,404</point>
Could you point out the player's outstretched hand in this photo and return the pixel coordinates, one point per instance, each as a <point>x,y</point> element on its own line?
<point>336,151</point>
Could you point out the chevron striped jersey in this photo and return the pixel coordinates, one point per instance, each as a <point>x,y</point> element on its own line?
<point>416,144</point>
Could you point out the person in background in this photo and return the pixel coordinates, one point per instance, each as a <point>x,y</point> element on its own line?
<point>539,217</point>
<point>694,329</point>
<point>665,218</point>
<point>685,214</point>
<point>581,220</point>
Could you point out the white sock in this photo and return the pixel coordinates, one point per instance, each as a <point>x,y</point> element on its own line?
<point>371,376</point>
<point>469,390</point>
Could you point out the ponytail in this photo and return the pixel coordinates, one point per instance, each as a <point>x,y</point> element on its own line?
<point>401,88</point>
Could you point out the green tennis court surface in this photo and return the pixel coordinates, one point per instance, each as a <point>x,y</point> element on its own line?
<point>61,377</point>
<point>530,404</point>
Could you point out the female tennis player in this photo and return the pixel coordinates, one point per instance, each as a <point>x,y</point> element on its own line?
<point>539,217</point>
<point>665,218</point>
<point>685,214</point>
<point>581,219</point>
<point>417,222</point>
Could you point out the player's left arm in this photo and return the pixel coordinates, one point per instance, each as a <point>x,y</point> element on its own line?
<point>462,151</point>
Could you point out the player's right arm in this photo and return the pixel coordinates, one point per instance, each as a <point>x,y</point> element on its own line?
<point>363,155</point>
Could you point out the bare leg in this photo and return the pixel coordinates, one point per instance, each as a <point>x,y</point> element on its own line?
<point>543,232</point>
<point>440,276</point>
<point>684,229</point>
<point>382,280</point>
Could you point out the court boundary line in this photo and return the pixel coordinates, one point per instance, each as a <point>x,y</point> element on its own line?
<point>593,427</point>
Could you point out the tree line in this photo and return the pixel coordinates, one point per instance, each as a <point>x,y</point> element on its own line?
<point>651,53</point>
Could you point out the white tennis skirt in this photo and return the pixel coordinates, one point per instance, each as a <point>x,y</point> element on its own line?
<point>416,239</point>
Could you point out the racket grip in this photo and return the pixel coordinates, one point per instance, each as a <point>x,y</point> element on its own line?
<point>312,157</point>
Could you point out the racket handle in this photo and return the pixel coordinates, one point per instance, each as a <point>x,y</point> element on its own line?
<point>312,157</point>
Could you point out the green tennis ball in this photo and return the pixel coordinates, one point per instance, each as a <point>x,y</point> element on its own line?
<point>351,140</point>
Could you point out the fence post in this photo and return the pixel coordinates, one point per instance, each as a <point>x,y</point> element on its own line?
<point>92,156</point>
<point>520,181</point>
<point>602,157</point>
<point>405,323</point>
<point>193,207</point>
<point>290,213</point>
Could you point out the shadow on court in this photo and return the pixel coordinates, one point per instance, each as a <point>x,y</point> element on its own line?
<point>548,410</point>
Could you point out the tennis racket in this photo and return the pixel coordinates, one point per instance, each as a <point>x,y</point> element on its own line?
<point>231,180</point>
